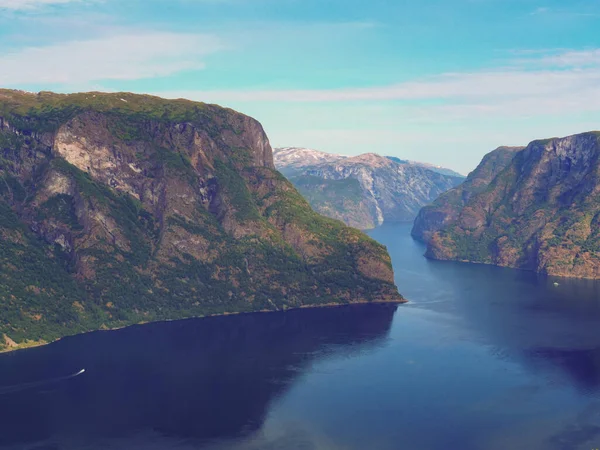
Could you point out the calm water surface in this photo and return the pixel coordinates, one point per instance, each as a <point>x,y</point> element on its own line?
<point>482,358</point>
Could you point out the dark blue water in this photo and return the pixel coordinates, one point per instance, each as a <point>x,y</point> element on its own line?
<point>482,358</point>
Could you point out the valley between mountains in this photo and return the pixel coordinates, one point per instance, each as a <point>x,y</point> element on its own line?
<point>364,191</point>
<point>121,209</point>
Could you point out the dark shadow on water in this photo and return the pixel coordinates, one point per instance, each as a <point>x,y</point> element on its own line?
<point>197,379</point>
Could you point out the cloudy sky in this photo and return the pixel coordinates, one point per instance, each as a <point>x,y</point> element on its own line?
<point>442,81</point>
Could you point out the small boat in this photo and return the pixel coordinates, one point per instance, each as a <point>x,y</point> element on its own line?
<point>556,284</point>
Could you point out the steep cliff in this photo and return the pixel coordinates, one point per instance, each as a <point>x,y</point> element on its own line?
<point>447,207</point>
<point>363,191</point>
<point>541,212</point>
<point>118,209</point>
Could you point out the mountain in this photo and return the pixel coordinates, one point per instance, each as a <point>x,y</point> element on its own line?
<point>432,167</point>
<point>292,161</point>
<point>536,208</point>
<point>447,207</point>
<point>363,191</point>
<point>118,209</point>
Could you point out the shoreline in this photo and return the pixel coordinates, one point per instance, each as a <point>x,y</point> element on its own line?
<point>521,269</point>
<point>31,345</point>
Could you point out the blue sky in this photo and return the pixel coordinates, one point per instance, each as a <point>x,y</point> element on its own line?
<point>442,81</point>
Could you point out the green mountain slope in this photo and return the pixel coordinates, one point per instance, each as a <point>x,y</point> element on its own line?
<point>540,211</point>
<point>119,209</point>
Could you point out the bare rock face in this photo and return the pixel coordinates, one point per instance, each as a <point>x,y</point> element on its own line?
<point>118,209</point>
<point>363,191</point>
<point>539,211</point>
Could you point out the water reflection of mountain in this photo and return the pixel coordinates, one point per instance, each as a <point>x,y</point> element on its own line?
<point>196,379</point>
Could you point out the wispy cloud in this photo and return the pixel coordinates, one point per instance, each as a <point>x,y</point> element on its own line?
<point>544,11</point>
<point>487,85</point>
<point>119,57</point>
<point>584,58</point>
<point>16,5</point>
<point>561,83</point>
<point>540,10</point>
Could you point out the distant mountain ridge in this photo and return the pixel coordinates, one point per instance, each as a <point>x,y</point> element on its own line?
<point>363,191</point>
<point>433,167</point>
<point>293,160</point>
<point>535,208</point>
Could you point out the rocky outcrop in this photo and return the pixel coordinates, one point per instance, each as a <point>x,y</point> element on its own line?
<point>363,191</point>
<point>118,209</point>
<point>541,212</point>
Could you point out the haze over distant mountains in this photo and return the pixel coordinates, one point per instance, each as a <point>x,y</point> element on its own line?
<point>367,190</point>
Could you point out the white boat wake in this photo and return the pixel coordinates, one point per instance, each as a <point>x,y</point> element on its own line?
<point>25,386</point>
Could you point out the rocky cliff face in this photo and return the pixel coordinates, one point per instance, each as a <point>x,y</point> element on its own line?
<point>363,191</point>
<point>119,209</point>
<point>541,212</point>
<point>447,207</point>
